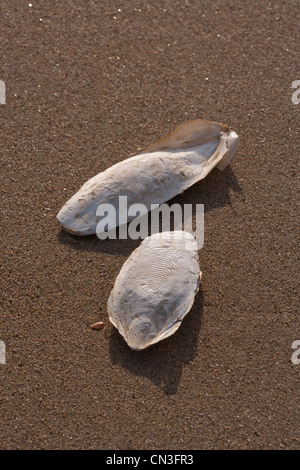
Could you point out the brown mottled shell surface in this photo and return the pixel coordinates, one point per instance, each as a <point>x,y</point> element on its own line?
<point>155,288</point>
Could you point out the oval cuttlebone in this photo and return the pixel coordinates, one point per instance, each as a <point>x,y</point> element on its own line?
<point>154,175</point>
<point>155,288</point>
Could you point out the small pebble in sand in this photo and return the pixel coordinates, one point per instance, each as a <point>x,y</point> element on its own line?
<point>97,326</point>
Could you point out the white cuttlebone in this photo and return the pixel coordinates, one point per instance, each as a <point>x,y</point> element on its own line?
<point>155,288</point>
<point>154,175</point>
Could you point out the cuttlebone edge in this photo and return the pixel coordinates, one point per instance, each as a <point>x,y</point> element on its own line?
<point>188,134</point>
<point>196,132</point>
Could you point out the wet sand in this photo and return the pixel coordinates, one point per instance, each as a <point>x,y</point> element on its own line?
<point>87,84</point>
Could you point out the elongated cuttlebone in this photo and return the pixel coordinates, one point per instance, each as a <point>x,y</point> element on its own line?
<point>154,175</point>
<point>155,288</point>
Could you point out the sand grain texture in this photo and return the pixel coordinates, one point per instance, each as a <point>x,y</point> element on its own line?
<point>87,85</point>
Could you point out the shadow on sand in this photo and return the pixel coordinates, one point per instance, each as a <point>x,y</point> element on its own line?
<point>163,362</point>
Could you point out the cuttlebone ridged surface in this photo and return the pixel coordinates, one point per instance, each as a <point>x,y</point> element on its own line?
<point>155,288</point>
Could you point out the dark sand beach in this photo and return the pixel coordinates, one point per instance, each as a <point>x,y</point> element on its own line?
<point>87,84</point>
